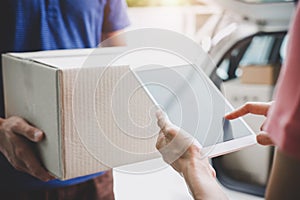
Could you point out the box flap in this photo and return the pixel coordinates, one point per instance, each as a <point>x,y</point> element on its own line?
<point>73,58</point>
<point>36,96</point>
<point>67,52</point>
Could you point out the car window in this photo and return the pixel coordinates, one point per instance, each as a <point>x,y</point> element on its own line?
<point>284,48</point>
<point>261,50</point>
<point>253,56</point>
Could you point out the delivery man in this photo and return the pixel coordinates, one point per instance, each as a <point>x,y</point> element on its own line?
<point>45,25</point>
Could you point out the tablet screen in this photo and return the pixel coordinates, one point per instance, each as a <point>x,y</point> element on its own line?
<point>192,102</point>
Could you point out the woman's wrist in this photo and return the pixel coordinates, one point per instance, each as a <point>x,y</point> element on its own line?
<point>196,172</point>
<point>196,164</point>
<point>201,180</point>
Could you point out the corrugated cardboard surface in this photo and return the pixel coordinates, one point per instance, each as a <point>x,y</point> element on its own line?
<point>94,118</point>
<point>93,135</point>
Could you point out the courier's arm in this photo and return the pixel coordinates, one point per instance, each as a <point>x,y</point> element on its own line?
<point>111,39</point>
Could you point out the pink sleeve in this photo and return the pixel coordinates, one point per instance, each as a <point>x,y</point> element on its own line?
<point>283,123</point>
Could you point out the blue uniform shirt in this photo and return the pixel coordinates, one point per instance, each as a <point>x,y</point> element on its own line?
<point>33,25</point>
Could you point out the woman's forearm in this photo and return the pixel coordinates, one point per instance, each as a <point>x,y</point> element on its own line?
<point>201,182</point>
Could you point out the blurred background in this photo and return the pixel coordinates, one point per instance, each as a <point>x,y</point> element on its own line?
<point>246,39</point>
<point>184,16</point>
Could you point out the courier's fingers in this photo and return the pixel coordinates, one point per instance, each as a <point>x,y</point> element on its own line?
<point>23,157</point>
<point>35,168</point>
<point>21,127</point>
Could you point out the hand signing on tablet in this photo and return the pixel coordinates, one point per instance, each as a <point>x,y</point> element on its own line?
<point>257,108</point>
<point>183,153</point>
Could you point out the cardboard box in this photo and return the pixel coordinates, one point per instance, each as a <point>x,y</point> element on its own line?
<point>94,117</point>
<point>260,74</point>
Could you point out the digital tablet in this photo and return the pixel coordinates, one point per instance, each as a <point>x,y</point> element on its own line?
<point>195,104</point>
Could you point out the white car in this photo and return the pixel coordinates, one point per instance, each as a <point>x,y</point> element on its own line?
<point>250,32</point>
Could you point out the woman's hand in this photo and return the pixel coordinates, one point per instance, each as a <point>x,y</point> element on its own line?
<point>257,108</point>
<point>178,148</point>
<point>183,153</point>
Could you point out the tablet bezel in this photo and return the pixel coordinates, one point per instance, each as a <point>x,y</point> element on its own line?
<point>220,148</point>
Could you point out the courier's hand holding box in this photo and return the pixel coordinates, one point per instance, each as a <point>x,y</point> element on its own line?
<point>94,117</point>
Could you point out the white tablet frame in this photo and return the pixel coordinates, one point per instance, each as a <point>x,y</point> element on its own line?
<point>221,148</point>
